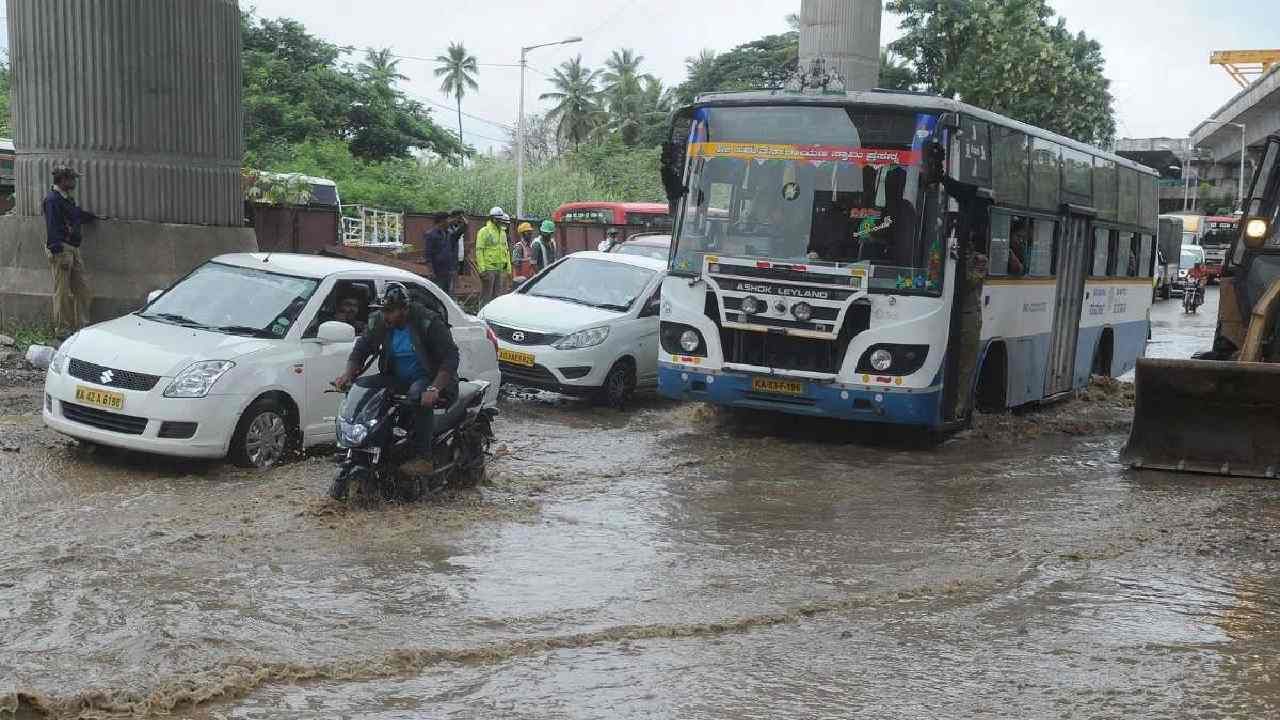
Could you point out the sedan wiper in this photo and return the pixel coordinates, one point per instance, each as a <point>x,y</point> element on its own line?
<point>611,306</point>
<point>566,299</point>
<point>244,330</point>
<point>174,318</point>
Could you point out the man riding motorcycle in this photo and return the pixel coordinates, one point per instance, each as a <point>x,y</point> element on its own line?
<point>417,357</point>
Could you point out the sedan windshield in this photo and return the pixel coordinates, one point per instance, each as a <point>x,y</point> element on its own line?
<point>657,252</point>
<point>234,300</point>
<point>598,283</point>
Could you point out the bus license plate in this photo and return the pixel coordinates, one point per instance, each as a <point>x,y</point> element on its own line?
<point>101,398</point>
<point>516,358</point>
<point>777,387</point>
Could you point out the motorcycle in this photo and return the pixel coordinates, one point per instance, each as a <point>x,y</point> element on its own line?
<point>375,437</point>
<point>1192,296</point>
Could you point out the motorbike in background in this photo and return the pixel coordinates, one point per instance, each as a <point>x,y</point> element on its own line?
<point>1192,296</point>
<point>375,437</point>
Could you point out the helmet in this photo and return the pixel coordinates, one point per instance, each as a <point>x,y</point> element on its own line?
<point>395,297</point>
<point>497,213</point>
<point>524,228</point>
<point>548,227</point>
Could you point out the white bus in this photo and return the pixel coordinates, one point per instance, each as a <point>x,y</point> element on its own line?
<point>821,246</point>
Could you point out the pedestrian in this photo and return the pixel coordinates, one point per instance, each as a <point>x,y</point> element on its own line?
<point>63,218</point>
<point>521,252</point>
<point>610,240</point>
<point>458,235</point>
<point>544,248</point>
<point>493,257</point>
<point>440,250</point>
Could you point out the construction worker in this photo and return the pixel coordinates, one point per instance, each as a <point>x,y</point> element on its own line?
<point>521,252</point>
<point>544,247</point>
<point>493,256</point>
<point>63,218</point>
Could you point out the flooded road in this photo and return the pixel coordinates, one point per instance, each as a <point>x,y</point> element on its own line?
<point>674,561</point>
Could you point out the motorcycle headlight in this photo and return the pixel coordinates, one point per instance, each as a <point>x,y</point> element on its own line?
<point>351,434</point>
<point>62,356</point>
<point>583,339</point>
<point>198,379</point>
<point>882,360</point>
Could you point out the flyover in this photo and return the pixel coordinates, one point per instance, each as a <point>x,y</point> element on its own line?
<point>1257,107</point>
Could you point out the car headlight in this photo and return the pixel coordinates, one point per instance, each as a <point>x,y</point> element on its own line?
<point>802,311</point>
<point>690,341</point>
<point>752,305</point>
<point>62,356</point>
<point>198,379</point>
<point>351,434</point>
<point>882,360</point>
<point>583,339</point>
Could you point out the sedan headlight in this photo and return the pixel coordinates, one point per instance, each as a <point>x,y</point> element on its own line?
<point>58,363</point>
<point>351,434</point>
<point>882,360</point>
<point>198,379</point>
<point>583,339</point>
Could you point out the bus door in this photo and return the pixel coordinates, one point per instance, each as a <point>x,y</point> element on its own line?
<point>1073,269</point>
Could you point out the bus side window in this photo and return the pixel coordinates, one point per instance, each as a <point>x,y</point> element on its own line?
<point>1114,261</point>
<point>1020,242</point>
<point>1123,262</point>
<point>1101,248</point>
<point>1144,264</point>
<point>998,257</point>
<point>1040,257</point>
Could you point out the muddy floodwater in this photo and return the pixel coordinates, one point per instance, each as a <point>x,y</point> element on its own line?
<point>673,561</point>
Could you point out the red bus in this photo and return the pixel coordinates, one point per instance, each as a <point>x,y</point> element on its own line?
<point>653,216</point>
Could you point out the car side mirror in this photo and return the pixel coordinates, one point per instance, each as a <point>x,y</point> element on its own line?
<point>334,332</point>
<point>151,296</point>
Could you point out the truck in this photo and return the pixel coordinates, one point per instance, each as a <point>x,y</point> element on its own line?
<point>1169,242</point>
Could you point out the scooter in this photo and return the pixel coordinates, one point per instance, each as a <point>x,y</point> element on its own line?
<point>1192,296</point>
<point>375,437</point>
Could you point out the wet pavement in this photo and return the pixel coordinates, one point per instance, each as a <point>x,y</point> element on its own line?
<point>673,561</point>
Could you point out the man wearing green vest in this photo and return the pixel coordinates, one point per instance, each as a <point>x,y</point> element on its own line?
<point>493,254</point>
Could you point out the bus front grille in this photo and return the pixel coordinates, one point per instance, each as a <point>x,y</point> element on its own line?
<point>780,351</point>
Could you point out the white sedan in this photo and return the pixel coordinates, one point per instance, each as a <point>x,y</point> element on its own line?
<point>235,358</point>
<point>587,325</point>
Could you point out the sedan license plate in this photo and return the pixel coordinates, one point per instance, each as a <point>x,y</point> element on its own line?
<point>516,358</point>
<point>101,398</point>
<point>777,387</point>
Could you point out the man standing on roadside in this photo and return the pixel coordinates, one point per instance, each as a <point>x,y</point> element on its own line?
<point>544,247</point>
<point>63,218</point>
<point>440,250</point>
<point>493,255</point>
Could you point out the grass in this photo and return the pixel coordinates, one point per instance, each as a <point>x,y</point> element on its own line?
<point>24,336</point>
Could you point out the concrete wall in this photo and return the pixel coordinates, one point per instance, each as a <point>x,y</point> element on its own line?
<point>125,261</point>
<point>141,96</point>
<point>846,33</point>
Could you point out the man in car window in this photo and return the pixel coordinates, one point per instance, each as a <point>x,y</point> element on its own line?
<point>349,308</point>
<point>417,357</point>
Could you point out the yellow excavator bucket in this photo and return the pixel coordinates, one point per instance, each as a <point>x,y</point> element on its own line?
<point>1206,416</point>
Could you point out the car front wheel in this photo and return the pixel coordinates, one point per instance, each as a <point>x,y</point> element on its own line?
<point>263,436</point>
<point>618,385</point>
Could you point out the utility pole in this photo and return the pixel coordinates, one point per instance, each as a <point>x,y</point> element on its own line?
<point>524,63</point>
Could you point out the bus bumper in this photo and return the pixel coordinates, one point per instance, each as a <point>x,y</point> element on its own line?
<point>846,402</point>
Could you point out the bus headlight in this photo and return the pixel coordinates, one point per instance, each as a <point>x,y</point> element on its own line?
<point>751,305</point>
<point>690,341</point>
<point>802,311</point>
<point>882,360</point>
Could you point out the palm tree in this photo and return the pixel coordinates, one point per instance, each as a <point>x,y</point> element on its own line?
<point>624,93</point>
<point>577,110</point>
<point>381,67</point>
<point>459,70</point>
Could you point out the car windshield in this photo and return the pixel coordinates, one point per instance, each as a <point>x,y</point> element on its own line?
<point>657,252</point>
<point>598,283</point>
<point>1190,258</point>
<point>234,300</point>
<point>836,184</point>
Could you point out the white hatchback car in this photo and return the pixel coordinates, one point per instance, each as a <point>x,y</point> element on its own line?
<point>587,325</point>
<point>235,358</point>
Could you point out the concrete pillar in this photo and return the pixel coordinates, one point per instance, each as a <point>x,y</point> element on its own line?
<point>142,97</point>
<point>847,34</point>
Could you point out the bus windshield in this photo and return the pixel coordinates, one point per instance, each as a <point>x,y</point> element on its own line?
<point>812,183</point>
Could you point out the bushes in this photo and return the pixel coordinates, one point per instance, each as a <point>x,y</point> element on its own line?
<point>607,171</point>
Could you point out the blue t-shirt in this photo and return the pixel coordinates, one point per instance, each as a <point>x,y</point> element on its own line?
<point>403,359</point>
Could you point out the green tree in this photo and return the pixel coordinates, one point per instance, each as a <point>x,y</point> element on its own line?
<point>458,69</point>
<point>1010,57</point>
<point>381,68</point>
<point>760,64</point>
<point>577,111</point>
<point>624,94</point>
<point>894,73</point>
<point>5,122</point>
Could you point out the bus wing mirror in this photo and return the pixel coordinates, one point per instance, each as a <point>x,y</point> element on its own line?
<point>673,173</point>
<point>935,162</point>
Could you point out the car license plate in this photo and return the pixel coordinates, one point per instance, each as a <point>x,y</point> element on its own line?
<point>101,398</point>
<point>516,358</point>
<point>777,387</point>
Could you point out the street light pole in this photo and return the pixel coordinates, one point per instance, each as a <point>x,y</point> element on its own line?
<point>1243,149</point>
<point>524,63</point>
